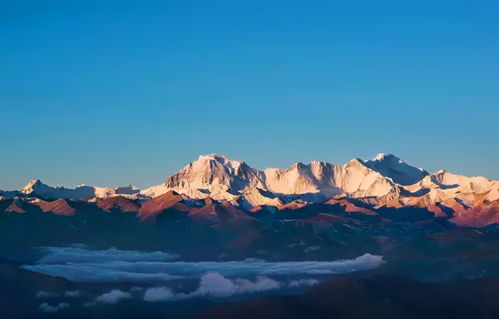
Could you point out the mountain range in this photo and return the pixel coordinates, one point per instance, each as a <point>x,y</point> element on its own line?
<point>214,186</point>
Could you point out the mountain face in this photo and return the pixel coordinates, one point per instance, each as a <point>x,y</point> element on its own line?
<point>393,167</point>
<point>222,178</point>
<point>382,183</point>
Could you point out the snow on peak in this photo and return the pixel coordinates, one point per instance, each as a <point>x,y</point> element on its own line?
<point>213,173</point>
<point>465,184</point>
<point>396,169</point>
<point>217,174</point>
<point>31,185</point>
<point>384,177</point>
<point>384,156</point>
<point>355,162</point>
<point>219,158</point>
<point>38,188</point>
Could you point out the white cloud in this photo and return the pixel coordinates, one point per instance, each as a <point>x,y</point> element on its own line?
<point>303,282</point>
<point>262,283</point>
<point>214,284</point>
<point>158,294</point>
<point>104,272</point>
<point>48,308</point>
<point>82,254</point>
<point>312,248</point>
<point>113,296</point>
<point>106,266</point>
<point>72,293</point>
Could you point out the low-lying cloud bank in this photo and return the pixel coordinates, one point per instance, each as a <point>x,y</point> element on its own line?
<point>214,285</point>
<point>51,309</point>
<point>303,282</point>
<point>113,296</point>
<point>158,294</point>
<point>47,294</point>
<point>217,286</point>
<point>80,264</point>
<point>100,272</point>
<point>211,285</point>
<point>79,253</point>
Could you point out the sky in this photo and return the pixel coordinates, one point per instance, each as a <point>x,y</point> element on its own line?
<point>127,92</point>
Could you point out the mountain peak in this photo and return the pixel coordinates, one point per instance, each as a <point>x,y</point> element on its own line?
<point>385,156</point>
<point>393,167</point>
<point>355,162</point>
<point>29,188</point>
<point>217,157</point>
<point>217,160</point>
<point>38,188</point>
<point>212,173</point>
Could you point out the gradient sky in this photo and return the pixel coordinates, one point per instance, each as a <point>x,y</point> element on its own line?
<point>118,92</point>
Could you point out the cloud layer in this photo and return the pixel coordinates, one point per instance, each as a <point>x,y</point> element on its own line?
<point>215,285</point>
<point>51,309</point>
<point>81,254</point>
<point>158,294</point>
<point>113,265</point>
<point>113,296</point>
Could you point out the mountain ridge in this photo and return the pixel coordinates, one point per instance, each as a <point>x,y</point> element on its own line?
<point>385,181</point>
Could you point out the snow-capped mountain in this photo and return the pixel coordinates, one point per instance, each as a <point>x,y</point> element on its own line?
<point>393,167</point>
<point>385,181</point>
<point>37,188</point>
<point>222,178</point>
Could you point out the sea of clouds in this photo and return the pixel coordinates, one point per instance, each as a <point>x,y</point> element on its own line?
<point>157,275</point>
<point>81,264</point>
<point>211,285</point>
<point>78,253</point>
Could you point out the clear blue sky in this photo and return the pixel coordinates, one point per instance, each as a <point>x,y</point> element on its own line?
<point>119,92</point>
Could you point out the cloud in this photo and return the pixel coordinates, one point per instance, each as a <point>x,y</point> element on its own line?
<point>106,266</point>
<point>82,254</point>
<point>303,282</point>
<point>158,294</point>
<point>72,293</point>
<point>48,308</point>
<point>47,294</point>
<point>216,285</point>
<point>102,272</point>
<point>113,296</point>
<point>311,248</point>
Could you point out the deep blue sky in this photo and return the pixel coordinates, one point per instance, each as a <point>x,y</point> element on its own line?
<point>119,92</point>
